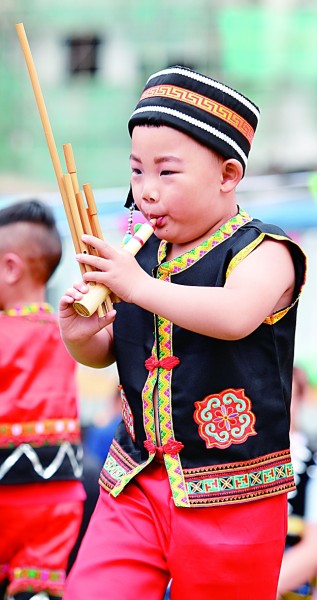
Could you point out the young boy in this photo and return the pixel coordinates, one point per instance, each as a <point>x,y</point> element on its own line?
<point>194,488</point>
<point>41,496</point>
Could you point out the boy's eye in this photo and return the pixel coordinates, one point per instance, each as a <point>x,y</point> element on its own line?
<point>135,171</point>
<point>167,172</point>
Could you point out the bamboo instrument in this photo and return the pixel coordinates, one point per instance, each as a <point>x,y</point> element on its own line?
<point>81,219</point>
<point>79,209</point>
<point>87,306</point>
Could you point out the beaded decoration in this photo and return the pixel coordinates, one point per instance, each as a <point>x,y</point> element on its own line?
<point>28,309</point>
<point>128,234</point>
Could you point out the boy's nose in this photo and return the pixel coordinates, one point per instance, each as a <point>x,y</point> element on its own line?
<point>150,194</point>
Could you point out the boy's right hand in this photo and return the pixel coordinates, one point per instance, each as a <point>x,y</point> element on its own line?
<point>74,327</point>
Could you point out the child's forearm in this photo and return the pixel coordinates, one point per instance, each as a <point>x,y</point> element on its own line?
<point>95,351</point>
<point>209,311</point>
<point>260,285</point>
<point>298,566</point>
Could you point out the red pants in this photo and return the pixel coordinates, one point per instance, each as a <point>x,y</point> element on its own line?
<point>35,543</point>
<point>136,542</point>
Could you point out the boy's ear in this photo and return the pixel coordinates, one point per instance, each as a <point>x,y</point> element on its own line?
<point>232,173</point>
<point>12,268</point>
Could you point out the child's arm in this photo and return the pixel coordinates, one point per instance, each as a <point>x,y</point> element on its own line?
<point>88,340</point>
<point>261,284</point>
<point>299,563</point>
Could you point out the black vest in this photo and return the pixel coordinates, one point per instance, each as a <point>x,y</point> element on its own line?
<point>223,405</point>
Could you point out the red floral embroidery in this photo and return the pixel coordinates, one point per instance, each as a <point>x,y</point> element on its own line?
<point>225,418</point>
<point>169,362</point>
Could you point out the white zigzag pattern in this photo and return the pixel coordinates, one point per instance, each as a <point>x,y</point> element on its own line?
<point>40,596</point>
<point>48,472</point>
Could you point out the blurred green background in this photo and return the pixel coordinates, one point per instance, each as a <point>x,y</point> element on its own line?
<point>93,58</point>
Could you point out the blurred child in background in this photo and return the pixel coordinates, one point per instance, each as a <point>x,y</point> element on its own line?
<point>41,495</point>
<point>299,565</point>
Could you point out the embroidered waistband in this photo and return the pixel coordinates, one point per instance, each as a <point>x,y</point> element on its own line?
<point>49,431</point>
<point>37,580</point>
<point>221,484</point>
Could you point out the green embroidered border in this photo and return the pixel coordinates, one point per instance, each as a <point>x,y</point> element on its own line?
<point>26,579</point>
<point>119,469</point>
<point>187,259</point>
<point>226,484</point>
<point>213,485</point>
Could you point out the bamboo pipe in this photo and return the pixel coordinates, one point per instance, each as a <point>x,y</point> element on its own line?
<point>71,168</point>
<point>49,139</point>
<point>97,232</point>
<point>89,226</point>
<point>46,125</point>
<point>90,301</point>
<point>82,223</point>
<point>92,211</point>
<point>98,293</point>
<point>75,212</point>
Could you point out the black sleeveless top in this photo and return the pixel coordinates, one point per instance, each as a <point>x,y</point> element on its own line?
<point>223,406</point>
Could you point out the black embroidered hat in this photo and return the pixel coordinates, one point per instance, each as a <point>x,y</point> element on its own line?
<point>212,113</point>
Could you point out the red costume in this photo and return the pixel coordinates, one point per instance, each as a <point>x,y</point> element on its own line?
<point>41,496</point>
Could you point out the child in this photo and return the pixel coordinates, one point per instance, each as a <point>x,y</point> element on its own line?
<point>41,496</point>
<point>194,488</point>
<point>299,563</point>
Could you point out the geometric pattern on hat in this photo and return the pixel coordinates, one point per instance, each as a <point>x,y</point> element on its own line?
<point>210,82</point>
<point>204,103</point>
<point>214,114</point>
<point>195,122</point>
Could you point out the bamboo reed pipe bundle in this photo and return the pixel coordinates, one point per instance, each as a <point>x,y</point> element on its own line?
<point>81,219</point>
<point>46,123</point>
<point>89,303</point>
<point>68,186</point>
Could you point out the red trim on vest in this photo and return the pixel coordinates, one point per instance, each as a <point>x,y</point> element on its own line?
<point>169,362</point>
<point>171,447</point>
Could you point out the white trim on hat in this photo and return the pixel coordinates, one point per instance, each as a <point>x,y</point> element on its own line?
<point>195,122</point>
<point>211,83</point>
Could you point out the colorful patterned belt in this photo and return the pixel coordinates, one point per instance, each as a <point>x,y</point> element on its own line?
<point>38,433</point>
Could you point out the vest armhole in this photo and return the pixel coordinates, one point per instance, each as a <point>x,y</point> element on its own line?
<point>240,256</point>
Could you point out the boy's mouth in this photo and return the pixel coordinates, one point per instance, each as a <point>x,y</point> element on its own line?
<point>160,221</point>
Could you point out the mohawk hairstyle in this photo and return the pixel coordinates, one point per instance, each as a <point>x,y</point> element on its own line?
<point>31,211</point>
<point>44,234</point>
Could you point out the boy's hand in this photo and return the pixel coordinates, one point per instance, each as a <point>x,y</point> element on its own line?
<point>116,269</point>
<point>73,327</point>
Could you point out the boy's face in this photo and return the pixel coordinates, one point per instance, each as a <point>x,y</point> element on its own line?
<point>179,182</point>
